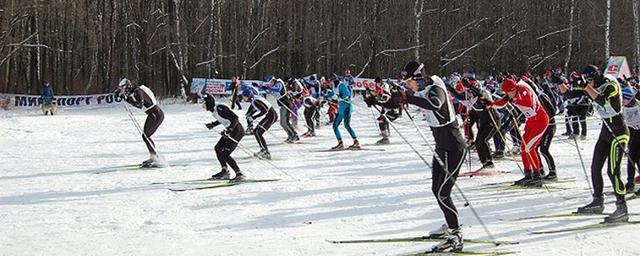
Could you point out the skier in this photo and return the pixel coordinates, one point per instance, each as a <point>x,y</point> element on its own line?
<point>382,95</point>
<point>311,105</point>
<point>142,97</point>
<point>488,125</point>
<point>229,138</point>
<point>260,107</point>
<point>48,107</point>
<point>524,98</point>
<point>285,103</point>
<point>431,94</point>
<point>342,94</point>
<point>236,90</point>
<point>578,104</point>
<point>614,135</point>
<point>333,103</point>
<point>547,137</point>
<point>631,111</point>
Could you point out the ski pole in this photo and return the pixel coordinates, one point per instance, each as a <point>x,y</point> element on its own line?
<point>584,169</point>
<point>141,131</point>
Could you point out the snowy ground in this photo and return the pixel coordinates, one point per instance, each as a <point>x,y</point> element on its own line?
<point>52,202</point>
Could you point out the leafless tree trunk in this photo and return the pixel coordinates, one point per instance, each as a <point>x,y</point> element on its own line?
<point>570,41</point>
<point>607,29</point>
<point>636,33</point>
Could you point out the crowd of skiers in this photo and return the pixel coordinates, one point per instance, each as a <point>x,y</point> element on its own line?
<point>515,113</point>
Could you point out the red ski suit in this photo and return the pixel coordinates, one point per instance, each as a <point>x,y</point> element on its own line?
<point>535,126</point>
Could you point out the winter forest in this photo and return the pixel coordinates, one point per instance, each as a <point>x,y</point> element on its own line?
<point>86,46</point>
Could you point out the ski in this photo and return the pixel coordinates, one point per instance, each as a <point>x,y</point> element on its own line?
<point>222,184</point>
<point>194,181</point>
<point>483,172</point>
<point>563,215</point>
<point>463,252</point>
<point>585,227</point>
<point>132,167</point>
<point>418,239</point>
<point>509,183</point>
<point>346,149</point>
<point>518,187</point>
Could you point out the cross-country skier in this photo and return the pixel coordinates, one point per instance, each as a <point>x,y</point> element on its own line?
<point>342,94</point>
<point>631,111</point>
<point>260,107</point>
<point>229,138</point>
<point>578,104</point>
<point>142,97</point>
<point>285,102</point>
<point>431,94</point>
<point>311,106</point>
<point>236,90</point>
<point>524,98</point>
<point>545,142</point>
<point>487,118</point>
<point>612,141</point>
<point>385,95</point>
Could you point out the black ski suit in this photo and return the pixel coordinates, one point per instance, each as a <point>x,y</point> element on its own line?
<point>450,146</point>
<point>261,107</point>
<point>232,134</point>
<point>142,97</point>
<point>612,141</point>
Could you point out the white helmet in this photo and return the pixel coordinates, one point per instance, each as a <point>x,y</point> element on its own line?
<point>124,83</point>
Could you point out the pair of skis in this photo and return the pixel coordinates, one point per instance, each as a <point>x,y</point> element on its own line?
<point>349,149</point>
<point>204,184</point>
<point>435,239</point>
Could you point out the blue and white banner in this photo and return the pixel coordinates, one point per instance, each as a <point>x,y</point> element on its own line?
<point>9,101</point>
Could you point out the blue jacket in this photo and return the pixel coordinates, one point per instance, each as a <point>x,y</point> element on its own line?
<point>47,91</point>
<point>344,96</point>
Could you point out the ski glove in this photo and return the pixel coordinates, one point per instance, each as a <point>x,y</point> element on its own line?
<point>225,133</point>
<point>210,125</point>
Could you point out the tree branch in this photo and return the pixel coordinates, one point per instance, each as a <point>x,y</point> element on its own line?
<point>449,61</point>
<point>264,56</point>
<point>557,31</point>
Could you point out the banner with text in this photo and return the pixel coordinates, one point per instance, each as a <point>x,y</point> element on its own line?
<point>223,86</point>
<point>9,101</point>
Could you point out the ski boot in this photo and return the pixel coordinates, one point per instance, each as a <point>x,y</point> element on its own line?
<point>248,131</point>
<point>523,181</point>
<point>222,175</point>
<point>153,161</point>
<point>595,207</point>
<point>340,146</point>
<point>567,133</point>
<point>439,233</point>
<point>453,242</point>
<point>583,137</point>
<point>355,146</point>
<point>498,154</point>
<point>293,139</point>
<point>552,176</point>
<point>265,155</point>
<point>239,177</point>
<point>630,187</point>
<point>259,153</point>
<point>515,151</point>
<point>535,181</point>
<point>383,141</point>
<point>620,214</point>
<point>487,165</point>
